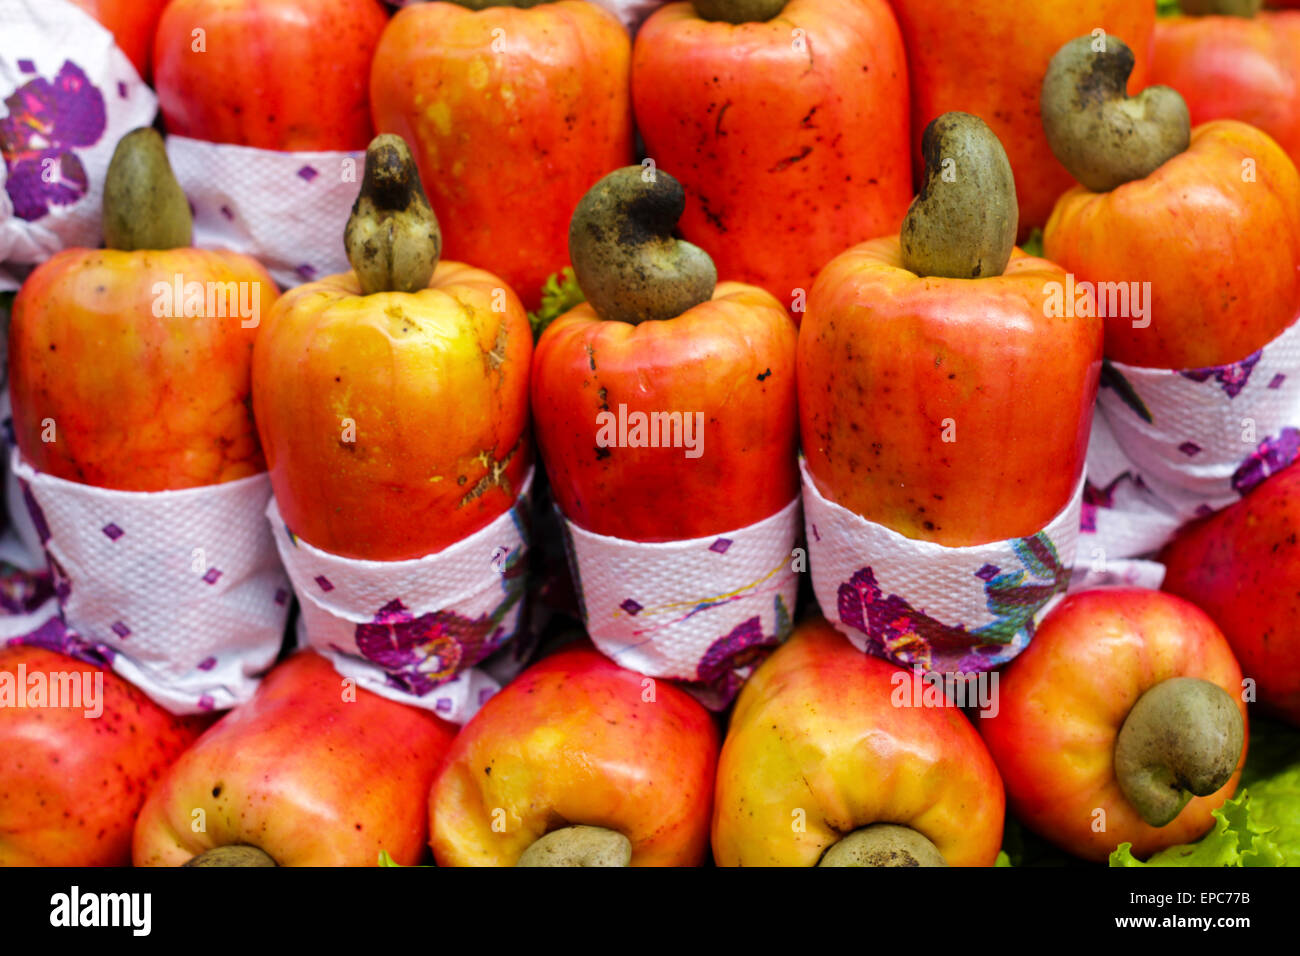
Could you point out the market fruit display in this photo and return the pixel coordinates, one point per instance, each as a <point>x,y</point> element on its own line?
<point>787,124</point>
<point>392,400</point>
<point>578,762</point>
<point>512,115</point>
<point>1239,68</point>
<point>74,773</point>
<point>272,74</point>
<point>820,757</point>
<point>1208,216</point>
<point>157,331</point>
<point>942,333</point>
<point>657,336</point>
<point>692,433</point>
<point>313,771</point>
<point>989,59</point>
<point>1238,566</point>
<point>1123,721</point>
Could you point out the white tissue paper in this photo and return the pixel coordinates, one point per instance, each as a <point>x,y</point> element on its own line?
<point>67,95</point>
<point>920,604</point>
<point>286,210</point>
<point>1171,446</point>
<point>412,631</point>
<point>704,611</point>
<point>180,592</point>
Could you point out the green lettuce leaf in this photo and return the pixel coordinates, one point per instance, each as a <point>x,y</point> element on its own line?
<point>560,293</point>
<point>1167,8</point>
<point>386,860</point>
<point>1238,838</point>
<point>1272,775</point>
<point>1033,246</point>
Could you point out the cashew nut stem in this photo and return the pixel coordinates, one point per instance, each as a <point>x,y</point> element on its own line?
<point>1182,738</point>
<point>392,237</point>
<point>962,224</point>
<point>578,846</point>
<point>882,844</point>
<point>1104,137</point>
<point>144,206</point>
<point>624,256</point>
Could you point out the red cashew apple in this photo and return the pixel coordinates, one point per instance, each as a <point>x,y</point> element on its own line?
<point>834,756</point>
<point>1235,68</point>
<point>73,776</point>
<point>1242,567</point>
<point>272,74</point>
<point>578,762</point>
<point>393,405</point>
<point>1200,225</point>
<point>786,122</point>
<point>989,58</point>
<point>939,396</point>
<point>1123,721</point>
<point>512,114</point>
<point>312,771</point>
<point>122,374</point>
<point>718,359</point>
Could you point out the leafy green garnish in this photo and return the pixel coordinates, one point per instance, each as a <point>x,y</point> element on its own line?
<point>1033,246</point>
<point>560,293</point>
<point>386,860</point>
<point>1238,838</point>
<point>1167,8</point>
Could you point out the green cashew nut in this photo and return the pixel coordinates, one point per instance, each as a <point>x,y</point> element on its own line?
<point>392,237</point>
<point>882,844</point>
<point>1220,8</point>
<point>739,11</point>
<point>962,224</point>
<point>624,256</point>
<point>236,854</point>
<point>578,846</point>
<point>144,206</point>
<point>1182,738</point>
<point>1104,137</point>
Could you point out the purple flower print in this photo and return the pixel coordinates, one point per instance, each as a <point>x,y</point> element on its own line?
<point>1231,378</point>
<point>421,653</point>
<point>730,659</point>
<point>1272,455</point>
<point>907,635</point>
<point>55,635</point>
<point>46,120</point>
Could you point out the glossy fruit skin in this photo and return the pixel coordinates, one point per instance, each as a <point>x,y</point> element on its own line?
<point>275,74</point>
<point>310,778</point>
<point>1242,567</point>
<point>790,152</point>
<point>576,739</point>
<point>731,358</point>
<point>133,24</point>
<point>71,786</point>
<point>512,115</point>
<point>1235,68</point>
<point>990,58</point>
<point>137,401</point>
<point>1218,250</point>
<point>1065,698</point>
<point>435,385</point>
<point>816,729</point>
<point>890,363</point>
